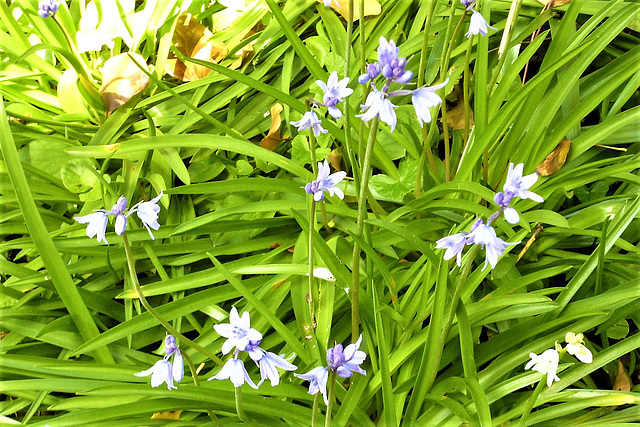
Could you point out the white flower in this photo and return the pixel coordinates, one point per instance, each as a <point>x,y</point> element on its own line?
<point>239,332</point>
<point>485,236</point>
<point>325,182</point>
<point>310,121</point>
<point>546,363</point>
<point>268,364</point>
<point>424,98</point>
<point>377,104</point>
<point>334,92</point>
<point>519,185</point>
<point>161,372</point>
<point>478,25</point>
<point>323,273</point>
<point>575,347</point>
<point>317,378</point>
<point>234,370</point>
<point>454,245</point>
<point>148,213</point>
<point>97,224</point>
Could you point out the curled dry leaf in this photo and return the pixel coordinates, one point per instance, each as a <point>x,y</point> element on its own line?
<point>455,116</point>
<point>122,79</point>
<point>270,142</point>
<point>193,40</point>
<point>623,382</point>
<point>555,160</point>
<point>371,8</point>
<point>335,158</point>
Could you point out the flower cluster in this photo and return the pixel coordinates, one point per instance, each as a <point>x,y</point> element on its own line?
<point>547,362</point>
<point>325,182</point>
<point>477,24</point>
<point>146,211</point>
<point>47,8</point>
<point>334,92</point>
<point>483,234</point>
<point>241,336</point>
<point>163,371</point>
<point>343,361</point>
<point>391,67</point>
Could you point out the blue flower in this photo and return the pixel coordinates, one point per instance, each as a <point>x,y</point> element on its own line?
<point>424,98</point>
<point>334,92</point>
<point>377,104</point>
<point>519,185</point>
<point>235,371</point>
<point>328,2</point>
<point>454,245</point>
<point>325,182</point>
<point>117,210</point>
<point>148,213</point>
<point>466,2</point>
<point>317,378</point>
<point>97,225</point>
<point>504,199</point>
<point>269,362</point>
<point>478,25</point>
<point>485,236</point>
<point>47,8</point>
<point>171,348</point>
<point>346,362</point>
<point>310,121</point>
<point>387,52</point>
<point>161,372</point>
<point>239,332</point>
<point>373,71</point>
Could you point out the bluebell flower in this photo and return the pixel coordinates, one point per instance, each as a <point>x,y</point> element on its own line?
<point>334,92</point>
<point>454,245</point>
<point>239,332</point>
<point>328,2</point>
<point>503,200</point>
<point>97,225</point>
<point>325,182</point>
<point>268,363</point>
<point>171,348</point>
<point>466,3</point>
<point>310,120</point>
<point>485,236</point>
<point>148,213</point>
<point>317,378</point>
<point>346,362</point>
<point>377,104</point>
<point>117,210</point>
<point>519,185</point>
<point>424,98</point>
<point>47,8</point>
<point>478,25</point>
<point>161,372</point>
<point>387,52</point>
<point>373,71</point>
<point>234,370</point>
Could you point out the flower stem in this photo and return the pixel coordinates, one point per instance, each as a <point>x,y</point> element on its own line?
<point>196,381</point>
<point>239,410</point>
<point>530,403</point>
<point>362,211</point>
<point>347,71</point>
<point>173,331</point>
<point>314,410</point>
<point>310,299</point>
<point>465,90</point>
<point>332,381</point>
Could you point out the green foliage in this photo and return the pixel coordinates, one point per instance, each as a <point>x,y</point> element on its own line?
<point>446,345</point>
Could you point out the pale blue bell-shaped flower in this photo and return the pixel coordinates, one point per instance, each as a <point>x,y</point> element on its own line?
<point>311,121</point>
<point>454,245</point>
<point>47,8</point>
<point>325,182</point>
<point>425,98</point>
<point>377,104</point>
<point>519,185</point>
<point>161,372</point>
<point>97,225</point>
<point>317,378</point>
<point>485,236</point>
<point>148,213</point>
<point>239,332</point>
<point>348,360</point>
<point>268,367</point>
<point>478,25</point>
<point>334,92</point>
<point>234,370</point>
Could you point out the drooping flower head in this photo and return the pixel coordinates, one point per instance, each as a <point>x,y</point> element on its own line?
<point>47,8</point>
<point>234,370</point>
<point>334,92</point>
<point>576,347</point>
<point>117,210</point>
<point>239,332</point>
<point>97,225</point>
<point>161,372</point>
<point>478,25</point>
<point>454,245</point>
<point>325,182</point>
<point>424,98</point>
<point>317,378</point>
<point>378,104</point>
<point>546,363</point>
<point>148,213</point>
<point>269,362</point>
<point>519,185</point>
<point>485,236</point>
<point>311,121</point>
<point>347,361</point>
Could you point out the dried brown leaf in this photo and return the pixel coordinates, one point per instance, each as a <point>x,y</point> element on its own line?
<point>455,117</point>
<point>554,3</point>
<point>555,160</point>
<point>193,40</point>
<point>371,8</point>
<point>623,382</point>
<point>271,141</point>
<point>122,79</point>
<point>335,157</point>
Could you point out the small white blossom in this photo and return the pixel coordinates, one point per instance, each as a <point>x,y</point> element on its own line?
<point>239,332</point>
<point>576,347</point>
<point>546,363</point>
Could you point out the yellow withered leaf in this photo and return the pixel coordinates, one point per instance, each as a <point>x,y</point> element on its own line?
<point>170,415</point>
<point>555,160</point>
<point>554,3</point>
<point>193,40</point>
<point>456,119</point>
<point>371,8</point>
<point>271,141</point>
<point>335,158</point>
<point>122,79</point>
<point>623,382</point>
